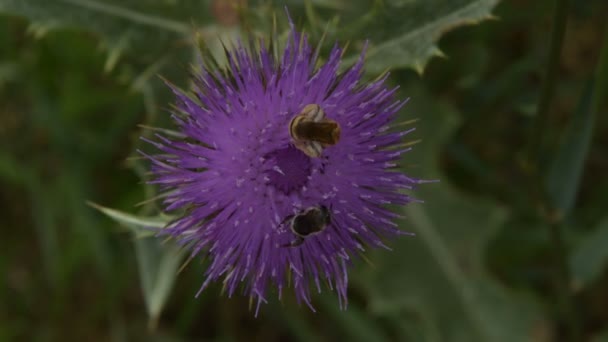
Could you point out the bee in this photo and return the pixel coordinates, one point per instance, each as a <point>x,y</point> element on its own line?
<point>310,221</point>
<point>311,131</point>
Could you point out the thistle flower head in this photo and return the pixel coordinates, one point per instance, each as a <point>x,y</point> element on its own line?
<point>272,200</point>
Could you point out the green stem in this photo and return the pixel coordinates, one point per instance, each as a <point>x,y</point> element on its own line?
<point>546,95</point>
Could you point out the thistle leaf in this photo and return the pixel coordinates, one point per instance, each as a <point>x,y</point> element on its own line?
<point>410,30</point>
<point>111,20</point>
<point>141,226</point>
<point>158,262</point>
<point>145,31</point>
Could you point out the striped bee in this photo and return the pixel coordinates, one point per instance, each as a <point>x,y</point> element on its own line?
<point>311,131</point>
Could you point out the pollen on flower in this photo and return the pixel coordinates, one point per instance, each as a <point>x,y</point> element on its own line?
<point>270,209</point>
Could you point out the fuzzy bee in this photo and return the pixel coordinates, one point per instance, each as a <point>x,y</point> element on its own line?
<point>311,131</point>
<point>310,221</point>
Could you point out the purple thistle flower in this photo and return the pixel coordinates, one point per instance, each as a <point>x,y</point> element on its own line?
<point>247,190</point>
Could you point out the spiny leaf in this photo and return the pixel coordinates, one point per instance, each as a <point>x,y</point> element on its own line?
<point>109,19</point>
<point>411,29</point>
<point>141,226</point>
<point>147,31</point>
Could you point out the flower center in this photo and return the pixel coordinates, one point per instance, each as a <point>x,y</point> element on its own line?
<point>289,169</point>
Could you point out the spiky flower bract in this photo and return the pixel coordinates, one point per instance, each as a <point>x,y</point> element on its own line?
<point>238,177</point>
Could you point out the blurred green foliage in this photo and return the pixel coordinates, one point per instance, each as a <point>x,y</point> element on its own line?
<point>78,76</point>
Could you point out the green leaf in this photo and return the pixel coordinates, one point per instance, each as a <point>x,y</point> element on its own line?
<point>564,174</point>
<point>158,263</point>
<point>138,22</point>
<point>410,29</point>
<point>158,267</point>
<point>438,276</point>
<point>156,31</point>
<point>590,256</point>
<point>149,33</point>
<point>141,226</point>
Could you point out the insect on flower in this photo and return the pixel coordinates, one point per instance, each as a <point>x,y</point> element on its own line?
<point>308,222</point>
<point>311,131</point>
<point>247,153</point>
